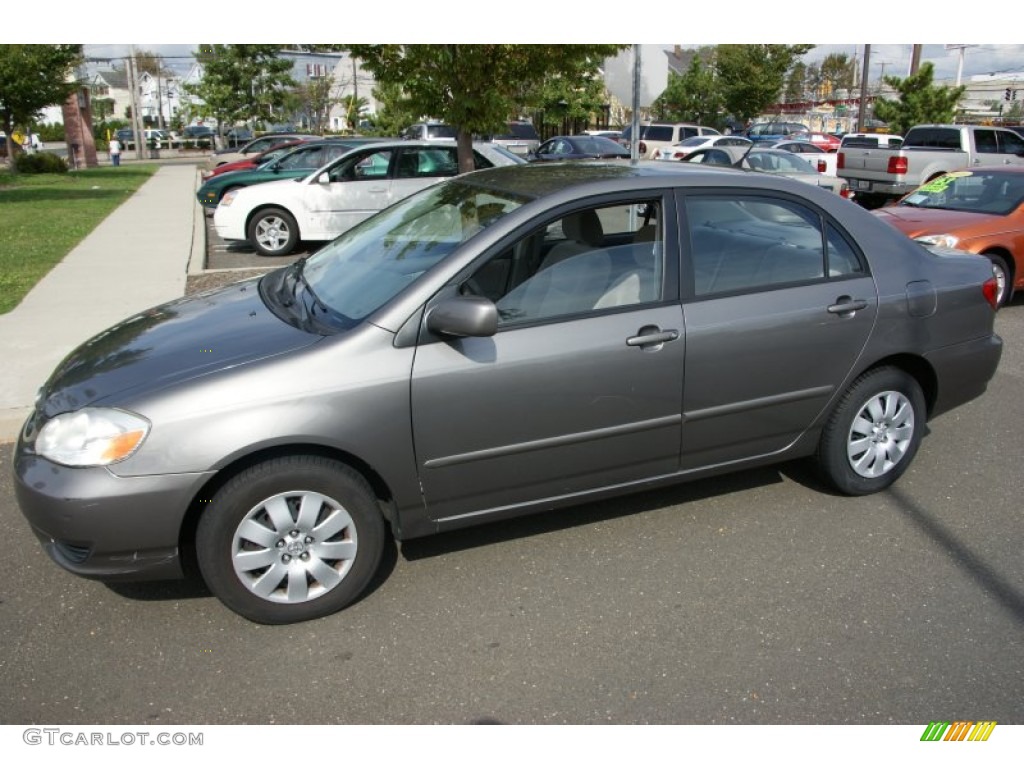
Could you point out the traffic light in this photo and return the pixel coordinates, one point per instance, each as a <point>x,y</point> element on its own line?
<point>1007,96</point>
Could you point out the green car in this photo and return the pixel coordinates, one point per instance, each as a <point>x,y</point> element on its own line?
<point>295,163</point>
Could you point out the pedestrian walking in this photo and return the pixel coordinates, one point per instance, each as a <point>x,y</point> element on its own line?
<point>115,152</point>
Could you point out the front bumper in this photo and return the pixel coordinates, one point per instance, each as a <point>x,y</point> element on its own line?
<point>102,526</point>
<point>227,224</point>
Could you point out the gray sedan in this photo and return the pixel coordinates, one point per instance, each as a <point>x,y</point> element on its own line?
<point>509,341</point>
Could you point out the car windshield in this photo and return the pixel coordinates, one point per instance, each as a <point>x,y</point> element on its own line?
<point>371,263</point>
<point>978,192</point>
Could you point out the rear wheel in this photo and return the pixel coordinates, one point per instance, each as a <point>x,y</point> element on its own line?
<point>290,539</point>
<point>873,433</point>
<point>273,232</point>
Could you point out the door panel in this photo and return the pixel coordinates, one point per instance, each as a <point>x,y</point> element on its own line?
<point>545,411</point>
<point>761,366</point>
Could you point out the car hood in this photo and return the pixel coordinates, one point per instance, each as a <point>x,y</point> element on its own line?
<point>931,221</point>
<point>171,343</point>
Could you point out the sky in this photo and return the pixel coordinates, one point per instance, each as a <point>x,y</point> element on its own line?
<point>996,50</point>
<point>886,58</point>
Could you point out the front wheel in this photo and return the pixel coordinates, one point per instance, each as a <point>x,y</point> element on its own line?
<point>273,232</point>
<point>291,539</point>
<point>873,433</point>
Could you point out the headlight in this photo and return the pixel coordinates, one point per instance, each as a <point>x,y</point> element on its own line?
<point>946,241</point>
<point>91,437</point>
<point>228,197</point>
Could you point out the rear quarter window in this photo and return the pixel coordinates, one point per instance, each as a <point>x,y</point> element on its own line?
<point>933,138</point>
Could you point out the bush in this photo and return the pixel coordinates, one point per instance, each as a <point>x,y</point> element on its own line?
<point>40,162</point>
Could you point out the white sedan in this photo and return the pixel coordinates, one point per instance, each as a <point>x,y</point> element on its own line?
<point>686,146</point>
<point>275,216</point>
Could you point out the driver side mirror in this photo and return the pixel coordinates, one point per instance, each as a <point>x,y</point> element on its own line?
<point>463,316</point>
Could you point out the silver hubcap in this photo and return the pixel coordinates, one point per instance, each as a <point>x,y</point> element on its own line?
<point>294,547</point>
<point>272,233</point>
<point>881,434</point>
<point>1000,276</point>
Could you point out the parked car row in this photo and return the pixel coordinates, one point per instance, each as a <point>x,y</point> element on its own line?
<point>274,221</point>
<point>274,216</point>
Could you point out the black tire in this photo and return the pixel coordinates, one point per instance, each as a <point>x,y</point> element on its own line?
<point>291,539</point>
<point>273,232</point>
<point>1002,274</point>
<point>873,433</point>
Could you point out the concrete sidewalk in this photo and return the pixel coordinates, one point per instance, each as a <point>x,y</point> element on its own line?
<point>136,258</point>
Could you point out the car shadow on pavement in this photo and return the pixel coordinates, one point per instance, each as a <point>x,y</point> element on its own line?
<point>189,588</point>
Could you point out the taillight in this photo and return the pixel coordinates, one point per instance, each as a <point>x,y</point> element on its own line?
<point>822,166</point>
<point>897,164</point>
<point>679,155</point>
<point>643,148</point>
<point>840,160</point>
<point>990,288</point>
<point>844,191</point>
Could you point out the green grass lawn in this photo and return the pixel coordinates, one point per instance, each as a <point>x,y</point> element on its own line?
<point>46,215</point>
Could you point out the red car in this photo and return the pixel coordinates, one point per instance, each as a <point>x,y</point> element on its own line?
<point>826,141</point>
<point>252,161</point>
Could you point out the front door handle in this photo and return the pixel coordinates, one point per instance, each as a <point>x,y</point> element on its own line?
<point>846,306</point>
<point>651,336</point>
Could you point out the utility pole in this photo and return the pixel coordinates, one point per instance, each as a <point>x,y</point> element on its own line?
<point>137,125</point>
<point>915,59</point>
<point>864,78</point>
<point>159,95</point>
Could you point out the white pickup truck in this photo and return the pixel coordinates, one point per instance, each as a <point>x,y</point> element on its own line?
<point>876,173</point>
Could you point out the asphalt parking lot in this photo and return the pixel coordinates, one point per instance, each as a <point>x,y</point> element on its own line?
<point>221,254</point>
<point>756,598</point>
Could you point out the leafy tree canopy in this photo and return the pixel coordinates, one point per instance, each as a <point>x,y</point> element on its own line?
<point>752,76</point>
<point>244,82</point>
<point>33,77</point>
<point>920,101</point>
<point>475,87</point>
<point>693,96</point>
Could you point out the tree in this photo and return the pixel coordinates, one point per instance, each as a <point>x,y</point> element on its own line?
<point>796,83</point>
<point>752,76</point>
<point>567,101</point>
<point>919,102</point>
<point>393,116</point>
<point>354,107</point>
<point>447,81</point>
<point>695,96</point>
<point>243,82</point>
<point>837,73</point>
<point>33,77</point>
<point>316,97</point>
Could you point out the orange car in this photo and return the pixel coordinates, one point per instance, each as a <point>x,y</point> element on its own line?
<point>980,210</point>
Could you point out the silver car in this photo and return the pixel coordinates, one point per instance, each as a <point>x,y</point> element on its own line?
<point>510,341</point>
